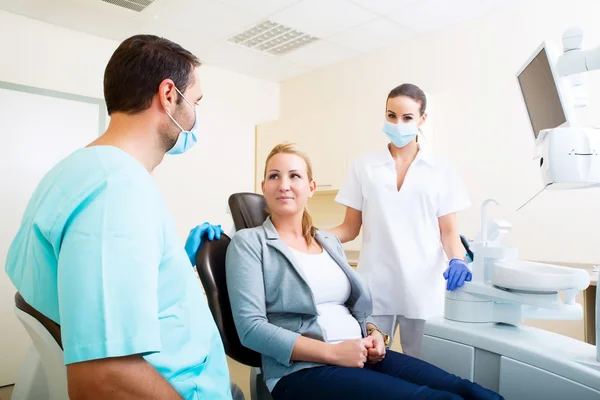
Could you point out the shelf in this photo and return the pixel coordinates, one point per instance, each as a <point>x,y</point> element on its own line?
<point>325,191</point>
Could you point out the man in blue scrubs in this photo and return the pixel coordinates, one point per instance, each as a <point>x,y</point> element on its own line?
<point>98,253</point>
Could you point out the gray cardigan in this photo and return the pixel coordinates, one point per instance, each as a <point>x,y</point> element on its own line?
<point>271,300</point>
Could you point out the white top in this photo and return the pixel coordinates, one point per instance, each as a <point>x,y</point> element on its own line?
<point>402,258</point>
<point>331,289</point>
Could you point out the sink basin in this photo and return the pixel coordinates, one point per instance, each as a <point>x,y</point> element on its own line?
<point>537,277</point>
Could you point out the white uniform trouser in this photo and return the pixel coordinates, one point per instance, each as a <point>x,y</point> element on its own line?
<point>411,331</point>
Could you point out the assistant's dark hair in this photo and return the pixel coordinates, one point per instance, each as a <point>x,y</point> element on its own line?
<point>138,66</point>
<point>412,91</point>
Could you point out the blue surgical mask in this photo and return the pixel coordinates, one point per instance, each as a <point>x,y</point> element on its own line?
<point>186,139</point>
<point>400,134</point>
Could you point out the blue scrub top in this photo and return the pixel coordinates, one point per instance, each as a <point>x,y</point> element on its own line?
<point>98,253</point>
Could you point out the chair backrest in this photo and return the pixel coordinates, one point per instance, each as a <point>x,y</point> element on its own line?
<point>210,264</point>
<point>52,327</point>
<point>248,210</point>
<point>45,335</point>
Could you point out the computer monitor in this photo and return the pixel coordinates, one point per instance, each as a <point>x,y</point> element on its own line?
<point>542,92</point>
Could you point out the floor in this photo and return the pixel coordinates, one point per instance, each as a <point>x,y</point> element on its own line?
<point>239,373</point>
<point>5,392</point>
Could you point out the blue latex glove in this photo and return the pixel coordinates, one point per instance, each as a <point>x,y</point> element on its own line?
<point>456,274</point>
<point>197,238</point>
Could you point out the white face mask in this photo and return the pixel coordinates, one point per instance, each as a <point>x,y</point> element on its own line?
<point>400,134</point>
<point>186,139</point>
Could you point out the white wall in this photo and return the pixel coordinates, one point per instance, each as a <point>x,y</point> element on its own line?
<point>196,185</point>
<point>480,121</point>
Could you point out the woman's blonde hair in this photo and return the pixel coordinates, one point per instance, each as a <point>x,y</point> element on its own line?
<point>308,229</point>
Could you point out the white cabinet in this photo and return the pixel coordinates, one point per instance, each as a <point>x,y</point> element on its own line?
<point>452,357</point>
<point>520,381</point>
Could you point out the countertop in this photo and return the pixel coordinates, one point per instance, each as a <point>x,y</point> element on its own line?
<point>587,267</point>
<point>353,256</point>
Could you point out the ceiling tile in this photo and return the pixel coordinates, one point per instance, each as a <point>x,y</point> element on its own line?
<point>277,70</point>
<point>263,8</point>
<point>30,8</point>
<point>430,15</point>
<point>347,27</point>
<point>101,19</point>
<point>193,41</point>
<point>384,7</point>
<point>373,35</point>
<point>207,17</point>
<point>229,55</point>
<point>322,18</point>
<point>320,54</point>
<point>116,28</point>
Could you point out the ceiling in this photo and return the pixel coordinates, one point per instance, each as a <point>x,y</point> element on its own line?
<point>345,28</point>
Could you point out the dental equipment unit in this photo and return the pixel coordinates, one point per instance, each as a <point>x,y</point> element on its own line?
<point>480,337</point>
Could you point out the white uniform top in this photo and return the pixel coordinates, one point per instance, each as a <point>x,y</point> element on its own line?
<point>402,257</point>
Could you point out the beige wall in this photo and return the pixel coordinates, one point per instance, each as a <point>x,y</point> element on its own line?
<point>480,121</point>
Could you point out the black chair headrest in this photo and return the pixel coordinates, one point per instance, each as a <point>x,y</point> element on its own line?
<point>248,210</point>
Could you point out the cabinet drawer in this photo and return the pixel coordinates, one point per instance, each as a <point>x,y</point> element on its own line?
<point>520,381</point>
<point>455,358</point>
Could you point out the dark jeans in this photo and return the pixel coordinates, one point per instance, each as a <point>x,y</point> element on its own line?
<point>397,377</point>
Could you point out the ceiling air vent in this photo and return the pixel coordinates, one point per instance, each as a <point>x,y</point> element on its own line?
<point>272,38</point>
<point>135,5</point>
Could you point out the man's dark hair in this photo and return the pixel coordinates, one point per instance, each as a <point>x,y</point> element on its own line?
<point>137,68</point>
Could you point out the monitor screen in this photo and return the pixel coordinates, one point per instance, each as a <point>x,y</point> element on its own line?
<point>541,94</point>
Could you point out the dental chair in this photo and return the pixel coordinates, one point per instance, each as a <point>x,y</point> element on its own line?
<point>210,264</point>
<point>248,210</point>
<point>43,374</point>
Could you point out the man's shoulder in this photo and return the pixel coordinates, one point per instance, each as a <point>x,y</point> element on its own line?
<point>92,180</point>
<point>97,169</point>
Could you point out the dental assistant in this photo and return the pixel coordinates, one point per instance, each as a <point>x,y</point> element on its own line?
<point>406,200</point>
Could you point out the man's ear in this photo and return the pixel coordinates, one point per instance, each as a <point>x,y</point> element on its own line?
<point>167,95</point>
